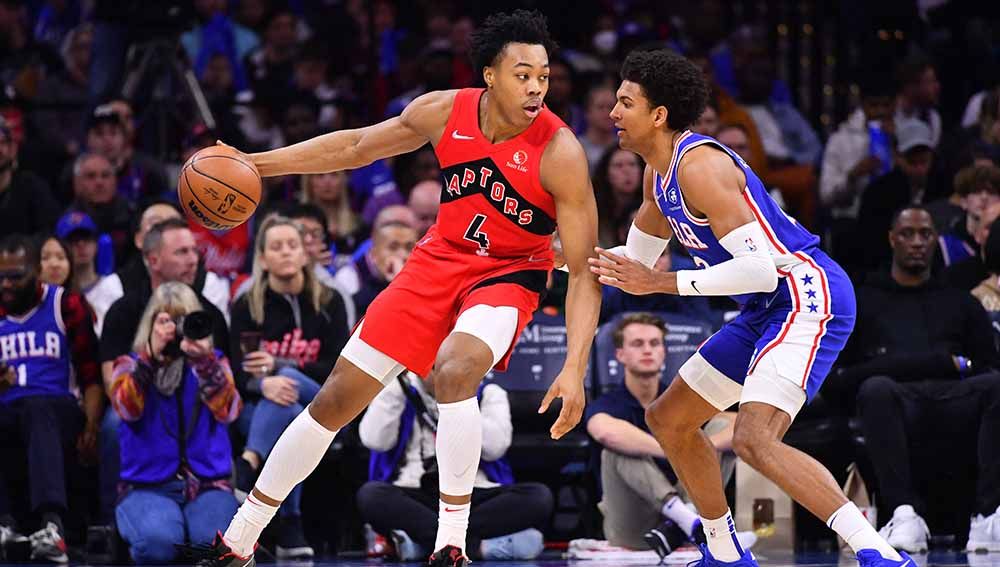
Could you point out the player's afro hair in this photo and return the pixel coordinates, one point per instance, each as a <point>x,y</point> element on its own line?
<point>668,80</point>
<point>520,26</point>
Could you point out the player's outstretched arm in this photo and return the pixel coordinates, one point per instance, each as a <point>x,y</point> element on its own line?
<point>564,174</point>
<point>422,121</point>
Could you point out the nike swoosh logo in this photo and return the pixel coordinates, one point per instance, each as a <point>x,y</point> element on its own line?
<point>446,509</point>
<point>768,306</point>
<point>695,287</point>
<point>465,470</point>
<point>457,136</point>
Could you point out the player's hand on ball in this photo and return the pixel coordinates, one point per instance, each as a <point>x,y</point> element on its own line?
<point>569,387</point>
<point>624,273</point>
<point>245,155</point>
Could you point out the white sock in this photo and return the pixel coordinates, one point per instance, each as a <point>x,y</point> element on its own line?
<point>250,520</point>
<point>851,524</point>
<point>453,522</point>
<point>721,536</point>
<point>458,445</point>
<point>294,456</point>
<point>675,509</point>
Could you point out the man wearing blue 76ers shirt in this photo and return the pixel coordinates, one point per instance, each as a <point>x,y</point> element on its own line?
<point>48,352</point>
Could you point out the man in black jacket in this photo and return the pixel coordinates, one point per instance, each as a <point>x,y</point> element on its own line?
<point>919,355</point>
<point>133,276</point>
<point>26,203</point>
<point>95,194</point>
<point>170,254</point>
<point>905,185</point>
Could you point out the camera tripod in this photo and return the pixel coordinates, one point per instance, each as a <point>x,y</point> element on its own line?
<point>161,74</point>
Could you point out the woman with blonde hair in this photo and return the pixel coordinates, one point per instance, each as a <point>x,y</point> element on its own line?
<point>176,396</point>
<point>288,330</point>
<point>330,192</point>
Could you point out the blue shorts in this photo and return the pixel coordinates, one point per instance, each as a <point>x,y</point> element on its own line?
<point>785,341</point>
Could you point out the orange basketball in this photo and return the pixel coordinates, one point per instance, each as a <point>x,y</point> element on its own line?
<point>219,188</point>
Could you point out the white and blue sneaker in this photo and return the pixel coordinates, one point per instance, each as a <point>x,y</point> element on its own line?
<point>872,558</point>
<point>906,530</point>
<point>746,560</point>
<point>984,533</point>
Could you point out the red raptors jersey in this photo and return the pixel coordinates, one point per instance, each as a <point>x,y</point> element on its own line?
<point>493,202</point>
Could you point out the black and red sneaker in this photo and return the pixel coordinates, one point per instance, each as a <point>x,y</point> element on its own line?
<point>448,556</point>
<point>218,555</point>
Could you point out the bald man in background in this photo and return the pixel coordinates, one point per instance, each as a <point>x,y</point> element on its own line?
<point>394,235</point>
<point>425,199</point>
<point>401,214</point>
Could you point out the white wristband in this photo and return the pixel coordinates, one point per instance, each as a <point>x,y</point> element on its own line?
<point>644,248</point>
<point>639,246</point>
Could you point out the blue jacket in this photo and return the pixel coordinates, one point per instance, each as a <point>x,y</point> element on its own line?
<point>174,431</point>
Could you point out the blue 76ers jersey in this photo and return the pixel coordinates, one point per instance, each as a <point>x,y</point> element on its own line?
<point>36,346</point>
<point>786,238</point>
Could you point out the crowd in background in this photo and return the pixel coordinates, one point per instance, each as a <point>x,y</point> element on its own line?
<point>102,101</point>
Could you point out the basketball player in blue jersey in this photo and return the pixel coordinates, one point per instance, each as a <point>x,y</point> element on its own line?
<point>797,308</point>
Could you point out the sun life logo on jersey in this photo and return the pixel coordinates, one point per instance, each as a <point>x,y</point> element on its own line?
<point>519,158</point>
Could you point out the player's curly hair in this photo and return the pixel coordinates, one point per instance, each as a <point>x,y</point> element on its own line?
<point>520,26</point>
<point>670,80</point>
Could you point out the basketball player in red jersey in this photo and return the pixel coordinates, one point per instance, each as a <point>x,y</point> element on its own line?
<point>512,172</point>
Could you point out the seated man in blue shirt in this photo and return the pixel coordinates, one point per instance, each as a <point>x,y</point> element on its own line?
<point>641,505</point>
